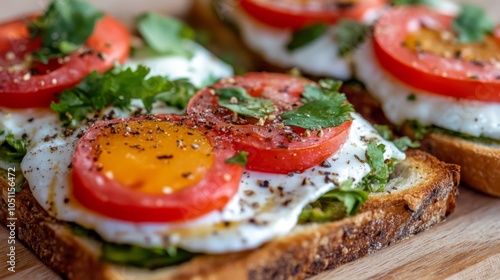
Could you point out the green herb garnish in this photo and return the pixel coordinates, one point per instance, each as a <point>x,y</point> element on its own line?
<point>239,101</point>
<point>429,3</point>
<point>240,158</point>
<point>335,204</point>
<point>13,150</point>
<point>411,97</point>
<point>323,107</point>
<point>349,35</point>
<point>402,143</point>
<point>63,28</point>
<point>117,87</point>
<point>381,169</point>
<point>165,35</point>
<point>306,35</point>
<point>472,24</point>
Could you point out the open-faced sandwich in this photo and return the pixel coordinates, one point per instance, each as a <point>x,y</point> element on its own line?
<point>261,176</point>
<point>317,36</point>
<point>438,76</point>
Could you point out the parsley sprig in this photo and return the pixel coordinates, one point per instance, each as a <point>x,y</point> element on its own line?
<point>165,35</point>
<point>239,101</point>
<point>472,24</point>
<point>349,35</point>
<point>323,107</point>
<point>12,149</point>
<point>381,169</point>
<point>306,36</point>
<point>239,159</point>
<point>117,87</point>
<point>63,28</point>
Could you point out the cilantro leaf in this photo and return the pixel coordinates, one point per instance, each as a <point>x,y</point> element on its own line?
<point>381,169</point>
<point>323,107</point>
<point>384,131</point>
<point>12,150</point>
<point>472,24</point>
<point>239,101</point>
<point>117,87</point>
<point>419,129</point>
<point>335,204</point>
<point>306,35</point>
<point>63,28</point>
<point>349,35</point>
<point>165,35</point>
<point>240,158</point>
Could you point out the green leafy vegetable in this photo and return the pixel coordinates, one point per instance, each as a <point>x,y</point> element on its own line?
<point>465,136</point>
<point>335,204</point>
<point>419,129</point>
<point>117,87</point>
<point>411,97</point>
<point>179,95</point>
<point>20,183</point>
<point>323,107</point>
<point>306,35</point>
<point>134,255</point>
<point>472,24</point>
<point>381,169</point>
<point>430,3</point>
<point>240,158</point>
<point>13,150</point>
<point>349,35</point>
<point>63,28</point>
<point>150,258</point>
<point>402,143</point>
<point>239,101</point>
<point>165,35</point>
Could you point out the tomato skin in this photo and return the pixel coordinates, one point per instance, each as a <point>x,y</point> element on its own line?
<point>110,38</point>
<point>300,15</point>
<point>272,147</point>
<point>101,194</point>
<point>424,71</point>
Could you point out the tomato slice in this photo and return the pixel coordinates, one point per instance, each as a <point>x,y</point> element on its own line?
<point>272,146</point>
<point>295,14</point>
<point>22,87</point>
<point>448,76</point>
<point>130,170</point>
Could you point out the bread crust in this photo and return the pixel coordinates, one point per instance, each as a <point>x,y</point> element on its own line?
<point>308,250</point>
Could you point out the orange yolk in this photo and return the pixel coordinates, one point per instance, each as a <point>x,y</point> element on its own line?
<point>444,43</point>
<point>153,157</point>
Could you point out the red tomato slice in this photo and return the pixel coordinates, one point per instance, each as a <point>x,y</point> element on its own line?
<point>107,194</point>
<point>272,147</point>
<point>297,14</point>
<point>19,88</point>
<point>426,71</point>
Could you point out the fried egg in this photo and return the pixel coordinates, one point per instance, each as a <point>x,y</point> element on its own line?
<point>265,207</point>
<point>472,117</point>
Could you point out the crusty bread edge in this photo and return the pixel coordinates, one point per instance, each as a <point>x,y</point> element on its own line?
<point>307,251</point>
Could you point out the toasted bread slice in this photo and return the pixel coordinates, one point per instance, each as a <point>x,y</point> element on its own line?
<point>421,193</point>
<point>477,160</point>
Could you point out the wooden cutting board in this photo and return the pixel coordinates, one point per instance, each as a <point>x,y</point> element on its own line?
<point>465,246</point>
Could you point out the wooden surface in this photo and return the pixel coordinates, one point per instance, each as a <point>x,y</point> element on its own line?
<point>465,246</point>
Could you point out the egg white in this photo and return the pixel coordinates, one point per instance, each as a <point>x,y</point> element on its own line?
<point>254,216</point>
<point>472,117</point>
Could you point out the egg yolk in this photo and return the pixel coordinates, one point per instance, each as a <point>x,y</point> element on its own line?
<point>153,157</point>
<point>444,43</point>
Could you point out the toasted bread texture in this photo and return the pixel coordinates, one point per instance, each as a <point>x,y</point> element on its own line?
<point>478,161</point>
<point>421,193</point>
